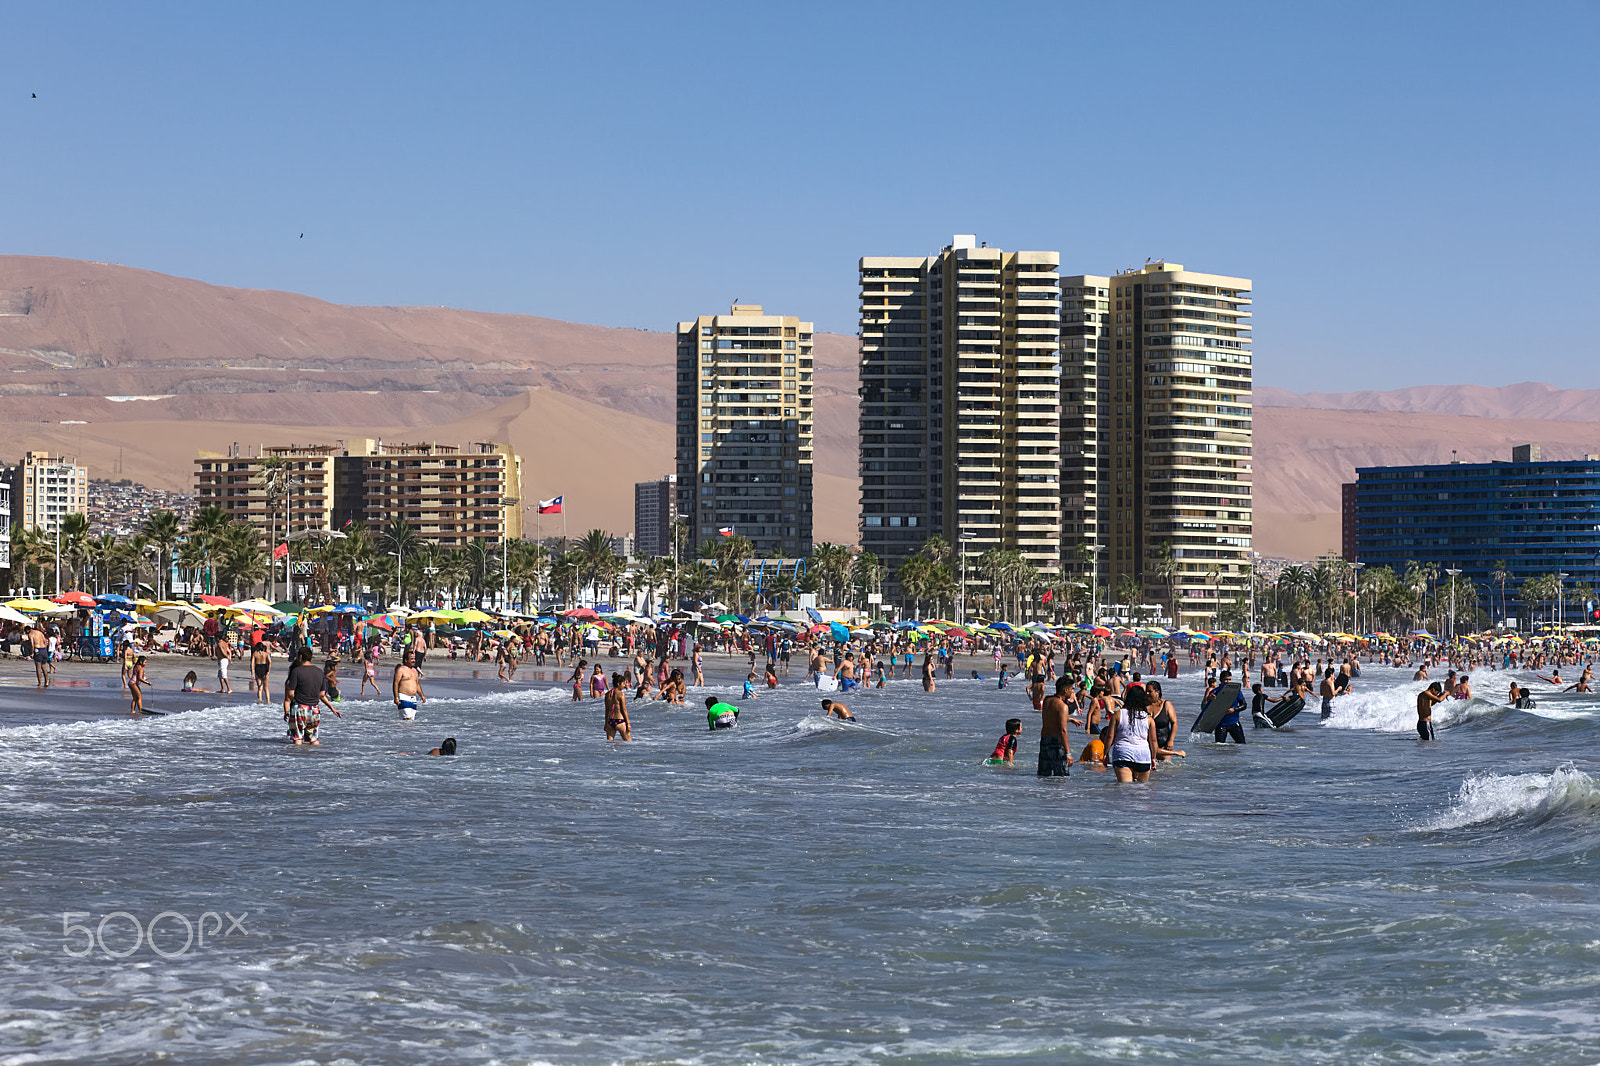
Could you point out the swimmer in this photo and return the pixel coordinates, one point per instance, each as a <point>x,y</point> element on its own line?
<point>833,707</point>
<point>1434,693</point>
<point>1583,681</point>
<point>1422,672</point>
<point>1463,689</point>
<point>1005,749</point>
<point>721,715</point>
<point>749,687</point>
<point>618,725</point>
<point>406,686</point>
<point>1094,752</point>
<point>447,748</point>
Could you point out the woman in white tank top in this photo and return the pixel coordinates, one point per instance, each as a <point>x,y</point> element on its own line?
<point>1132,749</point>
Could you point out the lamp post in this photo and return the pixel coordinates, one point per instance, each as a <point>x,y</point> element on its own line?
<point>1255,561</point>
<point>430,571</point>
<point>961,592</point>
<point>1560,607</point>
<point>1356,587</point>
<point>397,564</point>
<point>1453,575</point>
<point>1094,583</point>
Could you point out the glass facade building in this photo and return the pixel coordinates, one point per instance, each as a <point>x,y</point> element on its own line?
<point>1537,517</point>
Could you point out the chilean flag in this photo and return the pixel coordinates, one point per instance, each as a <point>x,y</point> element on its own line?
<point>725,531</point>
<point>280,551</point>
<point>550,506</point>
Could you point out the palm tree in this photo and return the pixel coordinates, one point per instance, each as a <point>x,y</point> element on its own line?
<point>1500,576</point>
<point>162,530</point>
<point>207,526</point>
<point>1164,567</point>
<point>867,574</point>
<point>75,546</point>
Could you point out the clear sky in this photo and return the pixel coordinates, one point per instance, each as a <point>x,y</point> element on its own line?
<point>1412,187</point>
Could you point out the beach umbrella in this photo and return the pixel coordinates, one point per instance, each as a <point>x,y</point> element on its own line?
<point>75,599</point>
<point>113,600</point>
<point>217,601</point>
<point>905,625</point>
<point>580,614</point>
<point>864,633</point>
<point>472,616</point>
<point>812,614</point>
<point>730,618</point>
<point>839,631</point>
<point>7,614</point>
<point>32,606</point>
<point>179,614</point>
<point>255,606</point>
<point>1100,631</point>
<point>384,621</point>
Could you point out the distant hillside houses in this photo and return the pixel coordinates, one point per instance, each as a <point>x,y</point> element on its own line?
<point>121,507</point>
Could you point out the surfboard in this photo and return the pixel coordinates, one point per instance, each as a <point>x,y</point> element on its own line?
<point>1280,713</point>
<point>1214,712</point>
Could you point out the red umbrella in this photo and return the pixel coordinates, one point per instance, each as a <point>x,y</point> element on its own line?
<point>1100,631</point>
<point>580,614</point>
<point>217,601</point>
<point>76,599</point>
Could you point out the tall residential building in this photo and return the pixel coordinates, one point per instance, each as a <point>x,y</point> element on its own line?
<point>655,508</point>
<point>451,495</point>
<point>960,403</point>
<point>5,522</point>
<point>236,481</point>
<point>744,428</point>
<point>45,489</point>
<point>1085,388</point>
<point>1180,452</point>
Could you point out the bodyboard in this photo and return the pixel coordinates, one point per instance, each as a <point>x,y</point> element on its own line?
<point>1279,714</point>
<point>1214,712</point>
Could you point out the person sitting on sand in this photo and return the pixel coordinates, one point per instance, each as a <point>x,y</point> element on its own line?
<point>190,680</point>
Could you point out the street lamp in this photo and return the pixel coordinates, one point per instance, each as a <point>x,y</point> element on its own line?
<point>1094,583</point>
<point>430,571</point>
<point>397,564</point>
<point>1453,575</point>
<point>1255,561</point>
<point>1560,607</point>
<point>961,592</point>
<point>1356,587</point>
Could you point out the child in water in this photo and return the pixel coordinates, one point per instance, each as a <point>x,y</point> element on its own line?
<point>1005,749</point>
<point>750,687</point>
<point>330,677</point>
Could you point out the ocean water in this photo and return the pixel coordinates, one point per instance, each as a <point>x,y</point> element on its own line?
<point>800,890</point>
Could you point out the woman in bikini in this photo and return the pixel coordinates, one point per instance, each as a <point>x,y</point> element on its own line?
<point>618,726</point>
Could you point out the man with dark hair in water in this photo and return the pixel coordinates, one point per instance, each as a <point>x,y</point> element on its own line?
<point>1055,759</point>
<point>1434,693</point>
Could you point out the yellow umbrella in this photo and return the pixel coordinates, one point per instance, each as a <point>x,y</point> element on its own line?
<point>472,616</point>
<point>24,604</point>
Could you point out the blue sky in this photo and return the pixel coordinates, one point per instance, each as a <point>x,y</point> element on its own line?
<point>1412,187</point>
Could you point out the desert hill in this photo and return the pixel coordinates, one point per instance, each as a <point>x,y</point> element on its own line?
<point>135,372</point>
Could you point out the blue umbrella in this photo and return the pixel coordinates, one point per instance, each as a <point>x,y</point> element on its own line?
<point>839,632</point>
<point>111,599</point>
<point>813,615</point>
<point>742,618</point>
<point>1000,625</point>
<point>905,625</point>
<point>348,608</point>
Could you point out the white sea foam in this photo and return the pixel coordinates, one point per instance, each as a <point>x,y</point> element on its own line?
<point>1490,798</point>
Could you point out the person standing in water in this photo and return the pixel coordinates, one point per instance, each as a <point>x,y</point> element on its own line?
<point>1055,758</point>
<point>1434,693</point>
<point>406,686</point>
<point>618,725</point>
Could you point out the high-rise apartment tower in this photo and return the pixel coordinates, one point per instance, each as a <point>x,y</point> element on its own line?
<point>655,508</point>
<point>744,428</point>
<point>960,403</point>
<point>45,489</point>
<point>1175,509</point>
